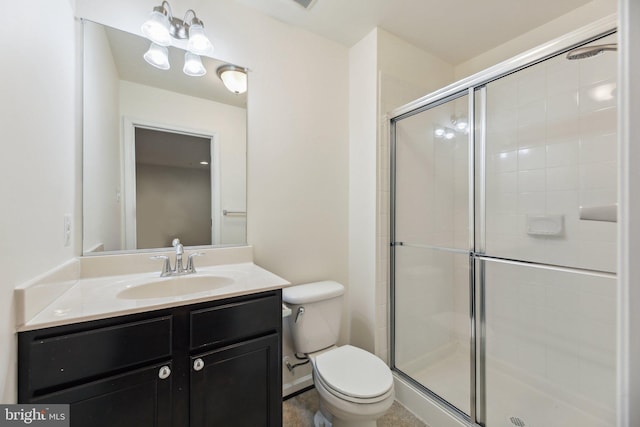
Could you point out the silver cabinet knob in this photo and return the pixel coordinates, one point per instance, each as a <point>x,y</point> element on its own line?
<point>198,364</point>
<point>164,372</point>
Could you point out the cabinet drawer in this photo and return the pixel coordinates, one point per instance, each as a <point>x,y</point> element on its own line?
<point>138,398</point>
<point>235,321</point>
<point>71,357</point>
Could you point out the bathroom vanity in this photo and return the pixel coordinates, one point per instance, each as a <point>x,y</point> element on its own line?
<point>209,358</point>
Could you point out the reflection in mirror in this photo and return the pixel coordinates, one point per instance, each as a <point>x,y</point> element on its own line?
<point>147,134</point>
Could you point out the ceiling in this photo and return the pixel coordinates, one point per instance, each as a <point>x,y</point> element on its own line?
<point>454,30</point>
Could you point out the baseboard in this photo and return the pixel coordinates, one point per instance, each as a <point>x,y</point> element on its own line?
<point>297,386</point>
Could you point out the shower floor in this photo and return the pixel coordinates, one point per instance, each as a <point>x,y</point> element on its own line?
<point>510,401</point>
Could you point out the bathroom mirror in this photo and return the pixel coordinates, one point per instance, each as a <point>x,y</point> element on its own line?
<point>164,153</point>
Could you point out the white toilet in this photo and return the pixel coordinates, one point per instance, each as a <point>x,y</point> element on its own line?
<point>355,386</point>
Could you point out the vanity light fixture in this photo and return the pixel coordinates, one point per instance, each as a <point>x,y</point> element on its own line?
<point>233,77</point>
<point>458,125</point>
<point>162,26</point>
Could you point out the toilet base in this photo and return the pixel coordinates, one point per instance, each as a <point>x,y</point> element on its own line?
<point>319,420</point>
<point>335,412</point>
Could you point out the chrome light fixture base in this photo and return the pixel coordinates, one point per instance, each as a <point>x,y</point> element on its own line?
<point>162,26</point>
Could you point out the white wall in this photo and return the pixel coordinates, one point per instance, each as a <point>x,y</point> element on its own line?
<point>363,88</point>
<point>38,166</point>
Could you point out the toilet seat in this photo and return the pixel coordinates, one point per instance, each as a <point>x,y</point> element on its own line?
<point>353,374</point>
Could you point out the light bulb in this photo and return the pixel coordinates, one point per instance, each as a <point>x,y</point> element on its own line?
<point>439,132</point>
<point>193,65</point>
<point>234,78</point>
<point>449,134</point>
<point>158,56</point>
<point>198,41</point>
<point>156,28</point>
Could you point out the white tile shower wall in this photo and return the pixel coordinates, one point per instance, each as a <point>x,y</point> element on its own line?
<point>554,331</point>
<point>551,148</point>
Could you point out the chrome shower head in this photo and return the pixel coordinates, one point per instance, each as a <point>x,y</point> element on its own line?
<point>589,51</point>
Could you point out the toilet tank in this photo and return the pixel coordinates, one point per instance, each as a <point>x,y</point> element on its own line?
<point>316,313</point>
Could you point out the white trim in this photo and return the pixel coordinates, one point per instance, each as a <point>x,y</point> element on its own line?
<point>129,175</point>
<point>628,215</point>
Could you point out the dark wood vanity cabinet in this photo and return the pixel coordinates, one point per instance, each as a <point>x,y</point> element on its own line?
<point>207,364</point>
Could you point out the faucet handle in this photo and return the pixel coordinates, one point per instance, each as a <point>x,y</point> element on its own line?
<point>166,266</point>
<point>190,267</point>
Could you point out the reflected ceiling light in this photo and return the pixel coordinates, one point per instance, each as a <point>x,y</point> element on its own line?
<point>162,26</point>
<point>193,65</point>
<point>439,132</point>
<point>233,77</point>
<point>605,92</point>
<point>461,123</point>
<point>449,133</point>
<point>158,56</point>
<point>204,163</point>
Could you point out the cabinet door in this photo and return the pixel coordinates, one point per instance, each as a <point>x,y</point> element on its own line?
<point>238,385</point>
<point>140,398</point>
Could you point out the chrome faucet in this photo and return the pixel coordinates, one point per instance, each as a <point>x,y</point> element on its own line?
<point>179,268</point>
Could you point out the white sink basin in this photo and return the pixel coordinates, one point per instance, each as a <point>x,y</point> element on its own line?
<point>175,286</point>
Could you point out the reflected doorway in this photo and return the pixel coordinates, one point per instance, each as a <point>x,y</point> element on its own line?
<point>172,188</point>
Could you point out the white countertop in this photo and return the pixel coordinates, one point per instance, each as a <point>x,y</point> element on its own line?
<point>97,297</point>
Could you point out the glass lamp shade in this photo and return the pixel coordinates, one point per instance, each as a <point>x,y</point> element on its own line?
<point>193,65</point>
<point>234,78</point>
<point>156,28</point>
<point>198,41</point>
<point>158,56</point>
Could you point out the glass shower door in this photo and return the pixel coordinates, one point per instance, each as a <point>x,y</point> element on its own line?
<point>431,250</point>
<point>549,280</point>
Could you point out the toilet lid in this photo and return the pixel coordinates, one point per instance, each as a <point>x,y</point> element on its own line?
<point>354,372</point>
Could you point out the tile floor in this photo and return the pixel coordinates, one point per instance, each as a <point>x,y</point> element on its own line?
<point>298,411</point>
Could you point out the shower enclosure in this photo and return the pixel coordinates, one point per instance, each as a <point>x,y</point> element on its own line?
<point>503,254</point>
